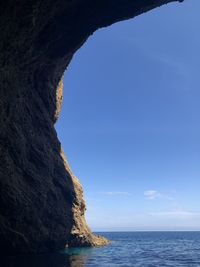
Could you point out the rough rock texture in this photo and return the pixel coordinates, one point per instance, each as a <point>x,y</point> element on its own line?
<point>41,205</point>
<point>80,232</point>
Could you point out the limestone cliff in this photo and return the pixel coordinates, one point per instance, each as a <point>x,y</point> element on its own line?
<point>41,205</point>
<point>80,234</point>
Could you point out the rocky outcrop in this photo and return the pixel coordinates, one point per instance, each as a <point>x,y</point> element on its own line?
<point>80,232</point>
<point>80,235</point>
<point>41,205</point>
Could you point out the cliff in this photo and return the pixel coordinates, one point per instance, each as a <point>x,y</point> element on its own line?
<point>41,204</point>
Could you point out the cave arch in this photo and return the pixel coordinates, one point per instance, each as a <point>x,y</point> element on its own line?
<point>87,143</point>
<point>41,205</point>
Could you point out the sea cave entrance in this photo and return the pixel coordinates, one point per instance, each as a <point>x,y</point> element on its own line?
<point>132,132</point>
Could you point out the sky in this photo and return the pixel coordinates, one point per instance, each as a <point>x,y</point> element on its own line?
<point>129,123</point>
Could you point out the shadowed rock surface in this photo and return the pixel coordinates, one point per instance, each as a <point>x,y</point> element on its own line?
<point>41,204</point>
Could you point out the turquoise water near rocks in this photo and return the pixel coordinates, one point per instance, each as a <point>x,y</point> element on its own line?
<point>128,249</point>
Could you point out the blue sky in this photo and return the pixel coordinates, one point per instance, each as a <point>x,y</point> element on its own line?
<point>130,123</point>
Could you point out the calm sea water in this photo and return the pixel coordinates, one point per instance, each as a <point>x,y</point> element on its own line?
<point>138,249</point>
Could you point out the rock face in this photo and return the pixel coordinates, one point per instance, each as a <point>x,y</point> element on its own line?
<point>41,204</point>
<point>80,232</point>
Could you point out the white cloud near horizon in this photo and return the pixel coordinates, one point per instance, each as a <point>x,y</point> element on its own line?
<point>179,214</point>
<point>115,193</point>
<point>163,220</point>
<point>154,194</point>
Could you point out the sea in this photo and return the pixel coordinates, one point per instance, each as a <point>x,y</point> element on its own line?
<point>127,249</point>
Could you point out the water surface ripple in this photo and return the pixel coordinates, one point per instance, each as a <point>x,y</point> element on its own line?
<point>128,249</point>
